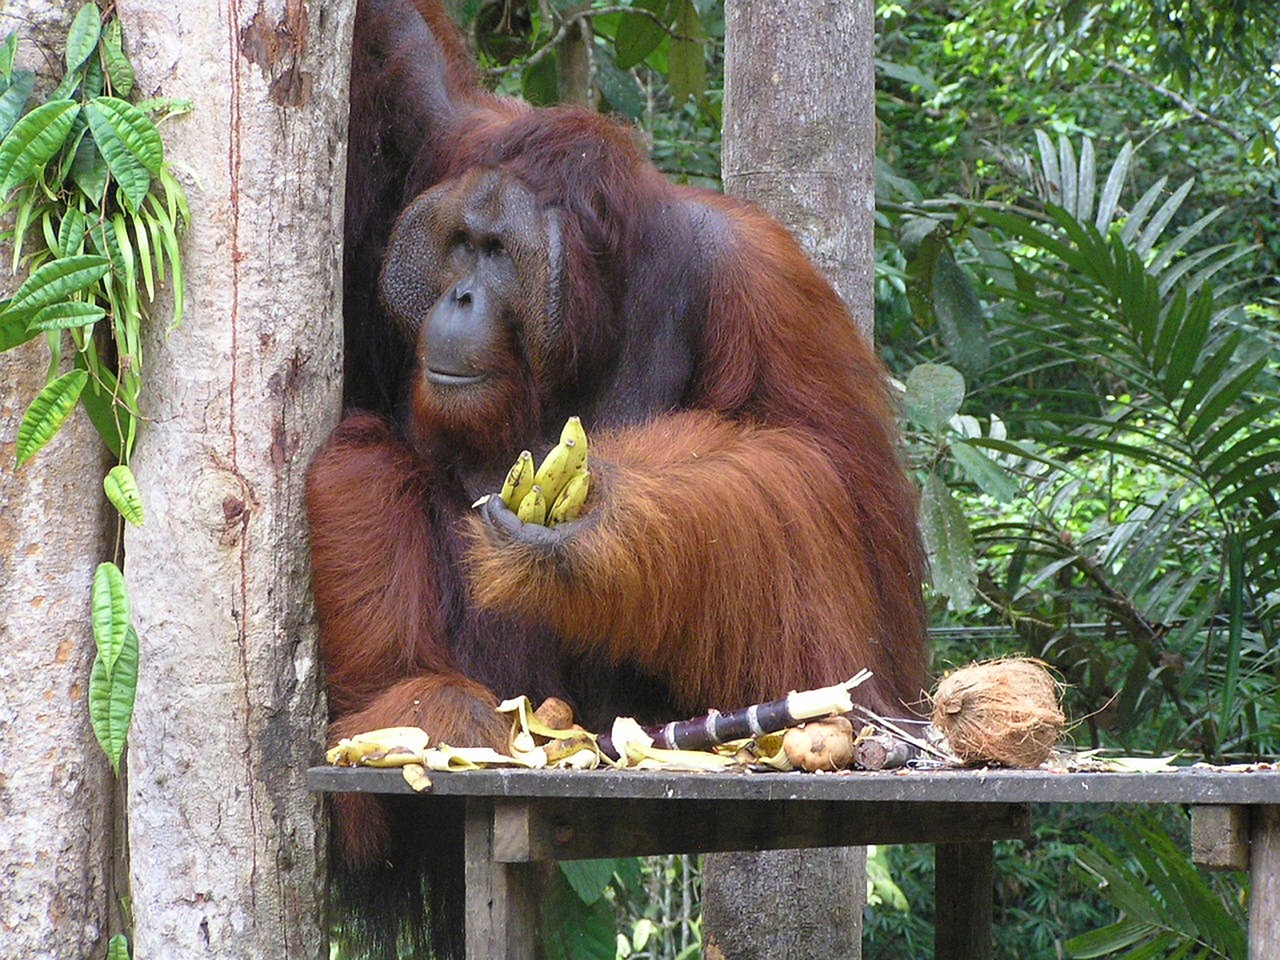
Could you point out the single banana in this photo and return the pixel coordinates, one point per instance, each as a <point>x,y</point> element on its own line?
<point>568,506</point>
<point>573,431</point>
<point>533,508</point>
<point>565,460</point>
<point>559,466</point>
<point>519,481</point>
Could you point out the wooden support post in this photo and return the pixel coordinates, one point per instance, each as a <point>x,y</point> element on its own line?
<point>501,907</point>
<point>1264,878</point>
<point>964,874</point>
<point>1220,836</point>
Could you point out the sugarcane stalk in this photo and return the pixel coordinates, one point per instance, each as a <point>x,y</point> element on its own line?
<point>715,728</point>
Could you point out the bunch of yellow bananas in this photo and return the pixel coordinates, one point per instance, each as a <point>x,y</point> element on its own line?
<point>557,490</point>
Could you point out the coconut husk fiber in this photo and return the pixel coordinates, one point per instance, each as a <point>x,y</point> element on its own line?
<point>1000,711</point>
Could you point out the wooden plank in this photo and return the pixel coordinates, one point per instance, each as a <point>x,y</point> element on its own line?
<point>964,875</point>
<point>501,904</point>
<point>1220,837</point>
<point>1264,888</point>
<point>569,829</point>
<point>1190,785</point>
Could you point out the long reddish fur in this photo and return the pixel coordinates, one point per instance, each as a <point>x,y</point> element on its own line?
<point>757,540</point>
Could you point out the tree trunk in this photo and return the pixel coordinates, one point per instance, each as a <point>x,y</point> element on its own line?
<point>227,846</point>
<point>573,59</point>
<point>55,783</point>
<point>799,129</point>
<point>799,140</point>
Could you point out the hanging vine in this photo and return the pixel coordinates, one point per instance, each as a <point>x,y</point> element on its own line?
<point>95,217</point>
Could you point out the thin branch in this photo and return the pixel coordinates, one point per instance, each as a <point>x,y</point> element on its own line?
<point>567,24</point>
<point>1180,101</point>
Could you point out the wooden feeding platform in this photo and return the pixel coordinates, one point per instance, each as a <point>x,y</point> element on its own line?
<point>515,818</point>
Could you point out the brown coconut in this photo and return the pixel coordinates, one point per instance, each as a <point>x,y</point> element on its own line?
<point>1000,711</point>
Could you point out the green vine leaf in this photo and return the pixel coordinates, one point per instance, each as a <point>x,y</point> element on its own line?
<point>89,170</point>
<point>8,50</point>
<point>111,612</point>
<point>34,140</point>
<point>119,69</point>
<point>63,316</point>
<point>122,490</point>
<point>118,948</point>
<point>114,422</point>
<point>57,280</point>
<point>13,328</point>
<point>14,98</point>
<point>82,39</point>
<point>130,144</point>
<point>111,695</point>
<point>47,413</point>
<point>71,233</point>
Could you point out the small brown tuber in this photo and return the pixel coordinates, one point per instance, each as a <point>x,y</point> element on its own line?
<point>555,713</point>
<point>825,744</point>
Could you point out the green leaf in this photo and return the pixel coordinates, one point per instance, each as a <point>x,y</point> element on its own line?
<point>102,237</point>
<point>112,612</point>
<point>99,404</point>
<point>638,35</point>
<point>1086,181</point>
<point>118,948</point>
<point>572,930</point>
<point>985,472</point>
<point>908,74</point>
<point>71,232</point>
<point>119,69</point>
<point>589,878</point>
<point>1151,232</point>
<point>686,63</point>
<point>1112,188</point>
<point>1224,395</point>
<point>82,39</point>
<point>68,314</point>
<point>619,87</point>
<point>1049,164</point>
<point>1117,936</point>
<point>540,83</point>
<point>34,140</point>
<point>14,98</point>
<point>934,394</point>
<point>960,316</point>
<point>48,411</point>
<point>8,50</point>
<point>130,144</point>
<point>949,543</point>
<point>89,170</point>
<point>1067,170</point>
<point>111,693</point>
<point>1133,222</point>
<point>122,490</point>
<point>13,328</point>
<point>59,279</point>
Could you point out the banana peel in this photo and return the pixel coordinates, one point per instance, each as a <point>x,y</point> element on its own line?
<point>536,741</point>
<point>386,747</point>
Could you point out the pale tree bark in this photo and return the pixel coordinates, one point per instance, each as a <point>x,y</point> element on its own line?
<point>799,140</point>
<point>799,129</point>
<point>55,783</point>
<point>227,846</point>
